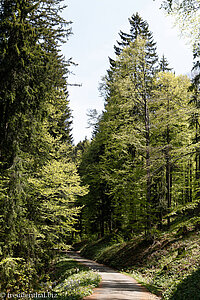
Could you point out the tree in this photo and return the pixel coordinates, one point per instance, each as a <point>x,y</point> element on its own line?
<point>104,167</point>
<point>35,138</point>
<point>186,6</point>
<point>56,187</point>
<point>138,27</point>
<point>186,13</point>
<point>187,17</point>
<point>133,69</point>
<point>164,65</point>
<point>137,160</point>
<point>147,65</point>
<point>26,42</point>
<point>172,137</point>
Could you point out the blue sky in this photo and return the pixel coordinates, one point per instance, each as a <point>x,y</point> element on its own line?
<point>96,24</point>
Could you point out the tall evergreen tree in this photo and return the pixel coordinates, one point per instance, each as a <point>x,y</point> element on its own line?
<point>164,65</point>
<point>133,70</point>
<point>140,144</point>
<point>139,29</point>
<point>38,180</point>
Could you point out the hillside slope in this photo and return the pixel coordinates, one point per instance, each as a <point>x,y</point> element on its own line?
<point>168,264</point>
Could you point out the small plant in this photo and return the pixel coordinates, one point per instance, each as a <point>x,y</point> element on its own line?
<point>17,275</point>
<point>168,265</point>
<point>69,280</point>
<point>78,285</point>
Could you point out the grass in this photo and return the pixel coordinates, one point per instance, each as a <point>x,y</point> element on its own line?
<point>188,288</point>
<point>69,280</point>
<point>168,265</point>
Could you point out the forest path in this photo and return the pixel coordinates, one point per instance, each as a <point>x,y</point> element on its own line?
<point>114,285</point>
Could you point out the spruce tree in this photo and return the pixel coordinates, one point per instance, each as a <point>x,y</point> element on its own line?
<point>164,65</point>
<point>194,117</point>
<point>140,30</point>
<point>35,138</point>
<point>134,68</point>
<point>138,27</point>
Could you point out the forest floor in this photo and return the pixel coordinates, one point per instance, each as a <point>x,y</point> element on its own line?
<point>167,265</point>
<point>67,279</point>
<point>114,285</point>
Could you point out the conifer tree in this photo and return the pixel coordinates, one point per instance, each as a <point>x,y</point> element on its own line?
<point>37,175</point>
<point>141,141</point>
<point>164,65</point>
<point>137,64</point>
<point>140,30</point>
<point>194,117</point>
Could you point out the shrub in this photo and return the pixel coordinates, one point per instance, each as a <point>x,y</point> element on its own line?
<point>17,275</point>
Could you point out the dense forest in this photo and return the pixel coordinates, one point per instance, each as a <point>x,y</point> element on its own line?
<point>138,174</point>
<point>38,175</point>
<point>143,163</point>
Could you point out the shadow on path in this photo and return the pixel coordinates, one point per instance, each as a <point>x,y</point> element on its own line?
<point>114,285</point>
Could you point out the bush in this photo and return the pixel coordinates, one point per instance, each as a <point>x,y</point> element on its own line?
<point>78,285</point>
<point>69,280</point>
<point>17,275</point>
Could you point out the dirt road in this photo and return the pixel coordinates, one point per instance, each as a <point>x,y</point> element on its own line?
<point>114,285</point>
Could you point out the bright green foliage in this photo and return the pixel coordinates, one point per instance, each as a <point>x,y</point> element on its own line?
<point>187,17</point>
<point>17,275</point>
<point>132,130</point>
<point>70,280</point>
<point>171,139</point>
<point>55,187</point>
<point>139,165</point>
<point>38,179</point>
<point>122,136</point>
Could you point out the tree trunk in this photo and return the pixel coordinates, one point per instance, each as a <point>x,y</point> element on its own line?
<point>168,170</point>
<point>148,181</point>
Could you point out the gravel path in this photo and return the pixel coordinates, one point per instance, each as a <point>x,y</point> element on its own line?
<point>114,285</point>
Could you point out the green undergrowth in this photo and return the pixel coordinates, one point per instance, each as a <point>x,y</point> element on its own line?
<point>69,280</point>
<point>168,264</point>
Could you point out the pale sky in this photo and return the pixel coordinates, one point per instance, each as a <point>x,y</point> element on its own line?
<point>96,24</point>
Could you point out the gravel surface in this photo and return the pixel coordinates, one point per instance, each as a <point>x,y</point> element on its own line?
<point>114,285</point>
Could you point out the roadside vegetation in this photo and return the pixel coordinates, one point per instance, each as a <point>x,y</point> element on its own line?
<point>135,184</point>
<point>167,264</point>
<point>142,165</point>
<point>69,280</point>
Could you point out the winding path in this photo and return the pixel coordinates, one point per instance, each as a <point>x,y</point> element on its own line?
<point>114,285</point>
